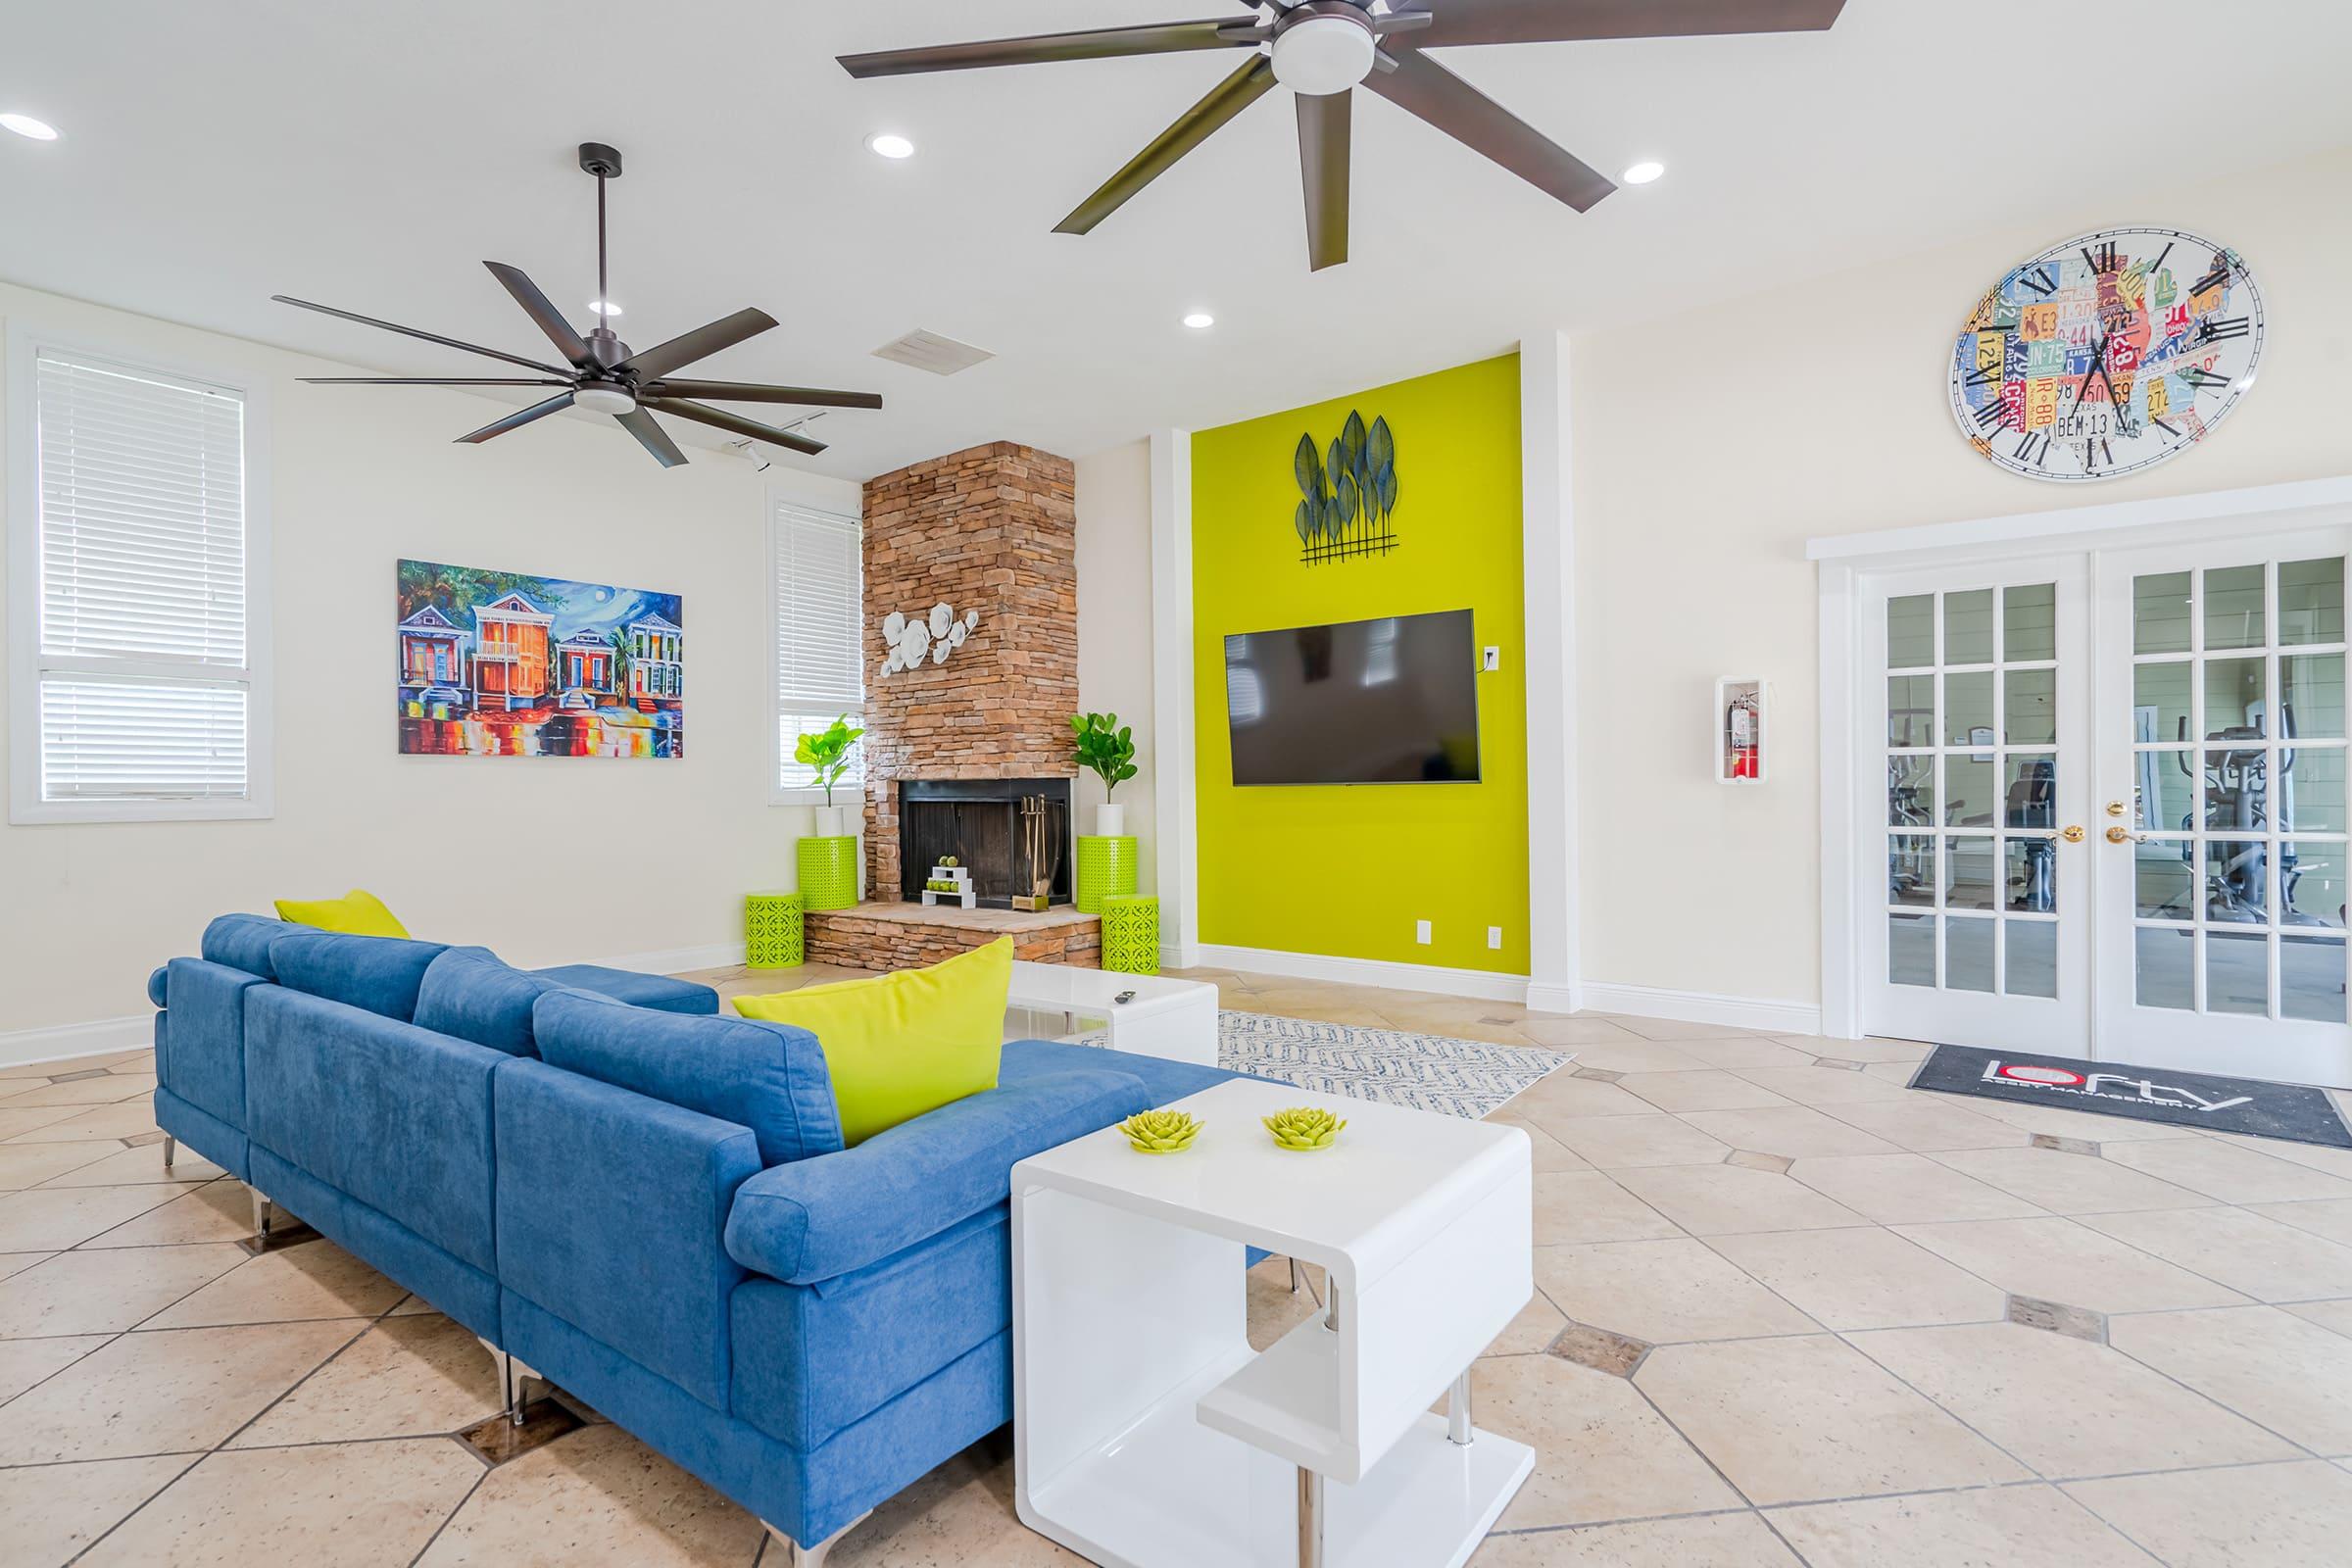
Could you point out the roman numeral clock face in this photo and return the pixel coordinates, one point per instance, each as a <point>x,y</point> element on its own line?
<point>2107,355</point>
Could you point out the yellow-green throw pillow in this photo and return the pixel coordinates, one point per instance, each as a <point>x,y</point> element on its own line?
<point>358,913</point>
<point>902,1044</point>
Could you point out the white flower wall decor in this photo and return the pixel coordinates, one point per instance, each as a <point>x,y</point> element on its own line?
<point>915,640</point>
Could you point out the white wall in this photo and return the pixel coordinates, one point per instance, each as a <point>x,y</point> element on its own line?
<point>547,861</point>
<point>1710,446</point>
<point>1114,629</point>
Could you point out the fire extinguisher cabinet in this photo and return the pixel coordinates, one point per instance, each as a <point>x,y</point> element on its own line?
<point>1743,730</point>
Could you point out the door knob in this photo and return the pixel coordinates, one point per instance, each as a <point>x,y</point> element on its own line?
<point>2071,835</point>
<point>2115,807</point>
<point>2118,835</point>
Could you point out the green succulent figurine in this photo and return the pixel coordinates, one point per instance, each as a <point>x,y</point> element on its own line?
<point>1161,1131</point>
<point>1304,1128</point>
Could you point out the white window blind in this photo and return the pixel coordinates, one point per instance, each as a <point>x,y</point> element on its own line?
<point>820,657</point>
<point>143,685</point>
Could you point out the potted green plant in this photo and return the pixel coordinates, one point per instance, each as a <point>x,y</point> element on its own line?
<point>1107,747</point>
<point>827,752</point>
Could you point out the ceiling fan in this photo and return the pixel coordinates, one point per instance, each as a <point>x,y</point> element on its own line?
<point>1323,49</point>
<point>601,373</point>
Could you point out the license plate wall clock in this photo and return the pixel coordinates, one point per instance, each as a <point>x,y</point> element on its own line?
<point>2108,354</point>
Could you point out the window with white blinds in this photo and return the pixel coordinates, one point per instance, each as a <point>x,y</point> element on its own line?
<point>820,661</point>
<point>130,540</point>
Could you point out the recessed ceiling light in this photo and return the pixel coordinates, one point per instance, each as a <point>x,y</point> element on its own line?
<point>890,145</point>
<point>1644,172</point>
<point>604,308</point>
<point>1199,320</point>
<point>27,126</point>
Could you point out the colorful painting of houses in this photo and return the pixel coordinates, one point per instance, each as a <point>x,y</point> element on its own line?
<point>499,664</point>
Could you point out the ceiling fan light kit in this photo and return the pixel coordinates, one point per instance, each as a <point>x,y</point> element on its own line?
<point>604,375</point>
<point>1322,50</point>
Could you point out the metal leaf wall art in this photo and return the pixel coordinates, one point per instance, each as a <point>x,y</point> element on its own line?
<point>1347,493</point>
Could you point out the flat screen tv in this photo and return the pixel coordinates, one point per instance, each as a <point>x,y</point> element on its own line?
<point>1392,700</point>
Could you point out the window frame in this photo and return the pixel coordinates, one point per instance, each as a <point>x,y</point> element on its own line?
<point>27,341</point>
<point>778,792</point>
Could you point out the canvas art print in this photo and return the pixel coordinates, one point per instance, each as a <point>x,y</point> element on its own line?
<point>501,663</point>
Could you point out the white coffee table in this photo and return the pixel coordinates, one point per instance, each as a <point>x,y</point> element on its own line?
<point>1161,1017</point>
<point>1147,1432</point>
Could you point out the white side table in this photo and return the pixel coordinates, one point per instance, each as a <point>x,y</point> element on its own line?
<point>1161,1017</point>
<point>1147,1432</point>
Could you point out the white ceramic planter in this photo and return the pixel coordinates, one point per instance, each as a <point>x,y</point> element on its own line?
<point>832,822</point>
<point>1111,821</point>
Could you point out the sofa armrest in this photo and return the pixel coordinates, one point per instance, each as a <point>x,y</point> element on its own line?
<point>813,1219</point>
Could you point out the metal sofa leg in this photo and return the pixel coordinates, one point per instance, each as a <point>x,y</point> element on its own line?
<point>264,1215</point>
<point>521,1387</point>
<point>171,1148</point>
<point>814,1556</point>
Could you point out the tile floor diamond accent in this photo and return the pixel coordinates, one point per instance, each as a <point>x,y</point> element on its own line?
<point>1749,1159</point>
<point>2056,1317</point>
<point>1617,1354</point>
<point>1802,1420</point>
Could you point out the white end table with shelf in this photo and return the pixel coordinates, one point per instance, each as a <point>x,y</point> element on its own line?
<point>1147,1433</point>
<point>1161,1017</point>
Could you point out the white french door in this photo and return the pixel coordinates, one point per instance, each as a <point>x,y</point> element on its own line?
<point>2114,818</point>
<point>2220,782</point>
<point>1978,866</point>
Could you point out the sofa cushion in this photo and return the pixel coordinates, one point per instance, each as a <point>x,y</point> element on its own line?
<point>764,1076</point>
<point>242,941</point>
<point>473,994</point>
<point>379,974</point>
<point>1163,1080</point>
<point>901,1044</point>
<point>659,992</point>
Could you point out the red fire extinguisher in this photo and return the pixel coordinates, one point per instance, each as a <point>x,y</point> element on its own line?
<point>1741,721</point>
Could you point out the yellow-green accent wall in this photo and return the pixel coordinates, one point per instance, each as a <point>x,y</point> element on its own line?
<point>1346,870</point>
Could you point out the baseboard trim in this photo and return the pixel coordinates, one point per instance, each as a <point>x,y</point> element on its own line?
<point>1701,1007</point>
<point>1385,975</point>
<point>65,1042</point>
<point>675,961</point>
<point>1543,997</point>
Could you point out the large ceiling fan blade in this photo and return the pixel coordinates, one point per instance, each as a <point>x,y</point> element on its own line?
<point>537,306</point>
<point>735,423</point>
<point>1102,43</point>
<point>1204,120</point>
<point>814,397</point>
<point>1421,87</point>
<point>521,416</point>
<point>430,337</point>
<point>1470,22</point>
<point>699,344</point>
<point>1325,128</point>
<point>427,380</point>
<point>648,432</point>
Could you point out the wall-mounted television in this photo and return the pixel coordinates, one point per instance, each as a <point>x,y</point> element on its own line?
<point>1392,700</point>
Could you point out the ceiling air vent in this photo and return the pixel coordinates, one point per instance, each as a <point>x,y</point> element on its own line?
<point>928,351</point>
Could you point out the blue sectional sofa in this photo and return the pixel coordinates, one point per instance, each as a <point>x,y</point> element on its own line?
<point>647,1205</point>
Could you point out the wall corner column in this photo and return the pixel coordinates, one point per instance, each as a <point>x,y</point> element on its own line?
<point>1176,806</point>
<point>1554,979</point>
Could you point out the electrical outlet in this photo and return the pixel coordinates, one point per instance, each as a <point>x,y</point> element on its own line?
<point>1421,932</point>
<point>1494,660</point>
<point>1495,936</point>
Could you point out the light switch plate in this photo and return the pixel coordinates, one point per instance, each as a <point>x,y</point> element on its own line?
<point>1495,936</point>
<point>1421,932</point>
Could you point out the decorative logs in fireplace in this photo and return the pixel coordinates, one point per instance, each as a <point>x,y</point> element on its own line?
<point>1013,835</point>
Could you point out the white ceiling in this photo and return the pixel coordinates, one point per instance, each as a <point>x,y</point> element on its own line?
<point>218,151</point>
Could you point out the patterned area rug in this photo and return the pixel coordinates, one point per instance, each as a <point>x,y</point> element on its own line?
<point>1389,1066</point>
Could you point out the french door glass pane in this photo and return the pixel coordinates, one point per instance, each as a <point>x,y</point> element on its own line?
<point>1911,633</point>
<point>1968,791</point>
<point>2315,870</point>
<point>1968,628</point>
<point>2032,881</point>
<point>2311,601</point>
<point>2031,958</point>
<point>2310,687</point>
<point>1911,949</point>
<point>1910,790</point>
<point>2233,698</point>
<point>2163,977</point>
<point>1911,872</point>
<point>2029,792</point>
<point>2234,608</point>
<point>1968,953</point>
<point>2029,623</point>
<point>2176,798</point>
<point>2311,979</point>
<point>1969,881</point>
<point>2160,869</point>
<point>2030,707</point>
<point>2313,799</point>
<point>2160,613</point>
<point>1910,710</point>
<point>1968,710</point>
<point>2238,973</point>
<point>2160,701</point>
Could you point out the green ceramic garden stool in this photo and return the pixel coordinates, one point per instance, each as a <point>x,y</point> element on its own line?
<point>1105,868</point>
<point>773,936</point>
<point>1131,933</point>
<point>829,872</point>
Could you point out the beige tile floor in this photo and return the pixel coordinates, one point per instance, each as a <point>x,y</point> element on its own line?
<point>1782,1319</point>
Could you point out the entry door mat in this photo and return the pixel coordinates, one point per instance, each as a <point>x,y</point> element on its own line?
<point>1388,1066</point>
<point>2291,1111</point>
